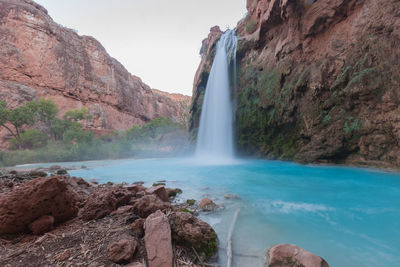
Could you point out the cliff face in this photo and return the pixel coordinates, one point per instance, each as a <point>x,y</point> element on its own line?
<point>40,58</point>
<point>319,81</point>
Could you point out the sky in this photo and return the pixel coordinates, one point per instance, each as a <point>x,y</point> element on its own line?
<point>157,40</point>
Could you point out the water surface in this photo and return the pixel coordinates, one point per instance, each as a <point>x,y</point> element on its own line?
<point>349,216</point>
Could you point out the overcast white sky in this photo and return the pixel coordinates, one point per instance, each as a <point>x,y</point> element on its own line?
<point>157,40</point>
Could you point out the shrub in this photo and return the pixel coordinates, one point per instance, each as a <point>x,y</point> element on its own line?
<point>251,26</point>
<point>30,139</point>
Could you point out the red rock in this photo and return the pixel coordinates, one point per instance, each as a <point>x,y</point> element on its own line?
<point>148,204</point>
<point>42,196</point>
<point>158,240</point>
<point>42,225</point>
<point>102,203</point>
<point>173,192</point>
<point>122,251</point>
<point>284,255</point>
<point>207,204</point>
<point>137,227</point>
<point>135,188</point>
<point>135,264</point>
<point>115,99</point>
<point>189,231</point>
<point>158,191</point>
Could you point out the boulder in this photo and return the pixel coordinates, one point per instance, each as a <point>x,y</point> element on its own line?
<point>159,191</point>
<point>137,227</point>
<point>135,188</point>
<point>28,202</point>
<point>122,251</point>
<point>102,203</point>
<point>173,192</point>
<point>42,225</point>
<point>284,255</point>
<point>207,204</point>
<point>158,240</point>
<point>189,231</point>
<point>148,204</point>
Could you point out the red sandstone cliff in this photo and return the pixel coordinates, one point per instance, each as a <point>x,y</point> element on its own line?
<point>40,58</point>
<point>318,81</point>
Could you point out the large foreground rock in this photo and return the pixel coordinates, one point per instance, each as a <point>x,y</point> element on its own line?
<point>189,231</point>
<point>102,203</point>
<point>287,255</point>
<point>158,240</point>
<point>30,201</point>
<point>148,204</point>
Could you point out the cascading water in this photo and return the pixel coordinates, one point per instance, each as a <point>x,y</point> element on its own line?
<point>215,137</point>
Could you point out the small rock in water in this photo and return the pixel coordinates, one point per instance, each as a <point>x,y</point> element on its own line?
<point>122,251</point>
<point>231,196</point>
<point>191,202</point>
<point>173,192</point>
<point>284,255</point>
<point>207,204</point>
<point>61,172</point>
<point>54,167</point>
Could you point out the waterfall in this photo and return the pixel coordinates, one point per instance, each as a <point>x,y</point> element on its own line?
<point>215,137</point>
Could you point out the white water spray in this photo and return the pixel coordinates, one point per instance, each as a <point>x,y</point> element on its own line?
<point>215,138</point>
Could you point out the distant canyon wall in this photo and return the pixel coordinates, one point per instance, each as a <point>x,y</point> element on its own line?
<point>40,58</point>
<point>318,81</point>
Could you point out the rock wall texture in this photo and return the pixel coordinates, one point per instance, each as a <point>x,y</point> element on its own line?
<point>40,58</point>
<point>319,81</point>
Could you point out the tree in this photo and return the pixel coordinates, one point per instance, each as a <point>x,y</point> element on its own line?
<point>16,118</point>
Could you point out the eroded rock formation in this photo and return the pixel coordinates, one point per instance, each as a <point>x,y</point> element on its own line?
<point>318,81</point>
<point>40,58</point>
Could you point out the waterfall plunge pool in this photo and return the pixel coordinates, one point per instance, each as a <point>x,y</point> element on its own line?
<point>348,216</point>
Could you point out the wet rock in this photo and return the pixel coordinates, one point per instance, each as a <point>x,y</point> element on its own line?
<point>54,167</point>
<point>61,172</point>
<point>189,231</point>
<point>36,174</point>
<point>173,192</point>
<point>148,204</point>
<point>231,196</point>
<point>42,225</point>
<point>102,203</point>
<point>42,196</point>
<point>122,251</point>
<point>207,204</point>
<point>284,255</point>
<point>158,240</point>
<point>191,202</point>
<point>159,191</point>
<point>137,227</point>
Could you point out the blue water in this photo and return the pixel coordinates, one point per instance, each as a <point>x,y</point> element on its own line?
<point>348,216</point>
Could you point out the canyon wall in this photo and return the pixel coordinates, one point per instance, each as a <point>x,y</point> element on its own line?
<point>318,81</point>
<point>40,58</point>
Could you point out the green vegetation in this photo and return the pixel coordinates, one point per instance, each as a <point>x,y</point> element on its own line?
<point>262,101</point>
<point>38,135</point>
<point>351,125</point>
<point>251,26</point>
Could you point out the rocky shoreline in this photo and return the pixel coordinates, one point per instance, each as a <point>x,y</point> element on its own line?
<point>59,220</point>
